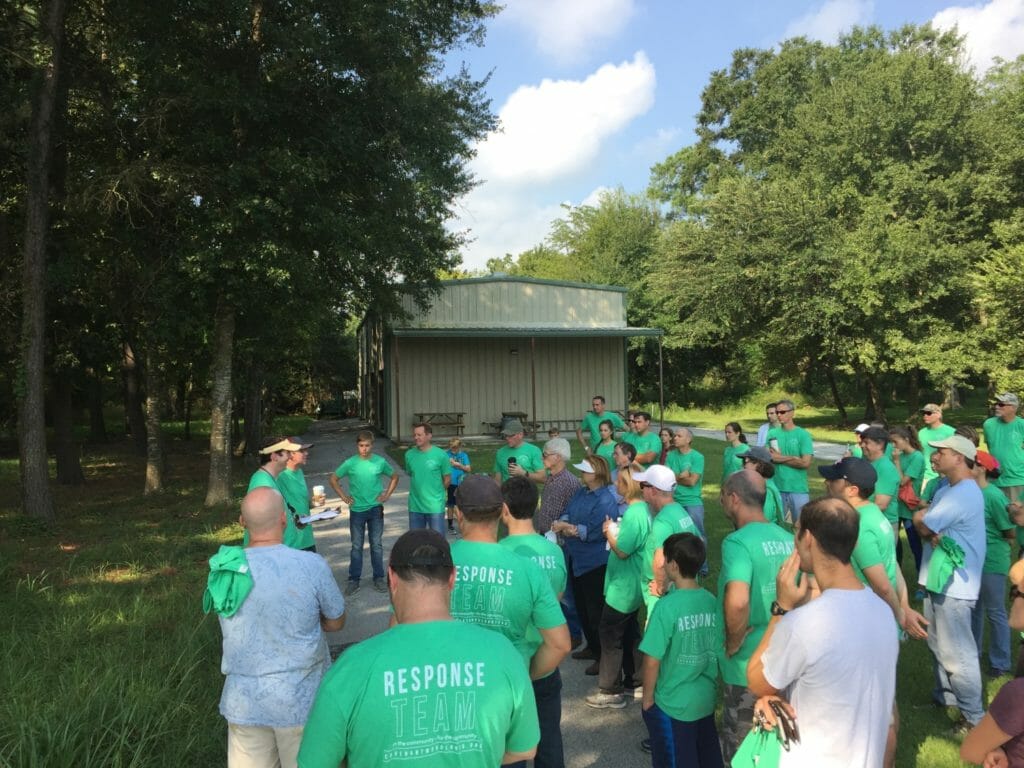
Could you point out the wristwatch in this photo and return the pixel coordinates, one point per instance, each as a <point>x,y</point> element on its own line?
<point>778,610</point>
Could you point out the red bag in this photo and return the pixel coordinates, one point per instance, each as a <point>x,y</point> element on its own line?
<point>908,497</point>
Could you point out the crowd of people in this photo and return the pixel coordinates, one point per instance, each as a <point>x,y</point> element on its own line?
<point>802,633</point>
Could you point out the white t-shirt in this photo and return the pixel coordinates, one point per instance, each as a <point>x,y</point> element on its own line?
<point>762,433</point>
<point>958,511</point>
<point>834,659</point>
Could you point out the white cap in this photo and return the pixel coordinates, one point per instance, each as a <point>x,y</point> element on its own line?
<point>659,476</point>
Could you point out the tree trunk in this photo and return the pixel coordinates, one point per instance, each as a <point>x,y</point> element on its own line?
<point>97,425</point>
<point>155,459</point>
<point>952,399</point>
<point>875,410</point>
<point>69,465</point>
<point>131,377</point>
<point>36,497</point>
<point>913,392</point>
<point>831,378</point>
<point>219,488</point>
<point>253,409</point>
<point>188,408</point>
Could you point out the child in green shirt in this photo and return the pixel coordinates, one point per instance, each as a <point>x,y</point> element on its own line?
<point>680,664</point>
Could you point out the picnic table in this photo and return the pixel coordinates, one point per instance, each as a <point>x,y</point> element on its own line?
<point>451,419</point>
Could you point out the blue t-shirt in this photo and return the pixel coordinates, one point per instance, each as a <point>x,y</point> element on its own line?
<point>958,511</point>
<point>274,652</point>
<point>462,458</point>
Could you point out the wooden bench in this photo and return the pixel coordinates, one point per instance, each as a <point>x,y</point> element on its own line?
<point>452,419</point>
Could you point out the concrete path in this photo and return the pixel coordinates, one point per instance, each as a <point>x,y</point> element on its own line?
<point>592,737</point>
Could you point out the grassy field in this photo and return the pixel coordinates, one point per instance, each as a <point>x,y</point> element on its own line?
<point>923,742</point>
<point>106,659</point>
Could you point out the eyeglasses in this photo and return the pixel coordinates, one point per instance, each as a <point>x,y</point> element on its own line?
<point>780,413</point>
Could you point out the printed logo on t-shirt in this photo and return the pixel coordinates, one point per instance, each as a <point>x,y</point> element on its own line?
<point>433,709</point>
<point>479,595</point>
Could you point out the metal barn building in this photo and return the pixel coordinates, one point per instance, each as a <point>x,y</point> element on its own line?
<point>495,347</point>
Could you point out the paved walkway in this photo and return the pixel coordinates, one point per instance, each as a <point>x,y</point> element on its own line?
<point>592,737</point>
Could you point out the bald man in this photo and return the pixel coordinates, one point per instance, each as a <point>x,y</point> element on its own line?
<point>275,651</point>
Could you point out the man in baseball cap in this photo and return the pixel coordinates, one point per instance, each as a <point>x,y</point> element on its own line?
<point>1004,436</point>
<point>955,522</point>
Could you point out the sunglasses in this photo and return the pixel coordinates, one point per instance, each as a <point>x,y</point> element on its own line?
<point>928,413</point>
<point>780,413</point>
<point>646,485</point>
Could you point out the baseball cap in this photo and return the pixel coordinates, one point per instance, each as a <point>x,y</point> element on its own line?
<point>478,492</point>
<point>1008,398</point>
<point>758,452</point>
<point>987,460</point>
<point>858,472</point>
<point>861,428</point>
<point>932,408</point>
<point>957,443</point>
<point>584,466</point>
<point>302,446</point>
<point>658,476</point>
<point>423,548</point>
<point>284,444</point>
<point>512,427</point>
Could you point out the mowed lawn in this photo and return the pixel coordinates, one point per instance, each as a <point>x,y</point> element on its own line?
<point>106,659</point>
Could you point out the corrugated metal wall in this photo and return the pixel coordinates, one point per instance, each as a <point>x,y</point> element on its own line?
<point>482,378</point>
<point>513,304</point>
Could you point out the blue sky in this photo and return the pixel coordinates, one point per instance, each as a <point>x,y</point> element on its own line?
<point>591,93</point>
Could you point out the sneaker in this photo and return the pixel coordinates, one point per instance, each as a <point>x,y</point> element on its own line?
<point>645,745</point>
<point>352,588</point>
<point>380,585</point>
<point>960,729</point>
<point>606,701</point>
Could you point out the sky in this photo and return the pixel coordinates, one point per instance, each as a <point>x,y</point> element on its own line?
<point>591,93</point>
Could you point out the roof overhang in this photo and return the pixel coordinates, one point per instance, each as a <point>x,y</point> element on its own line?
<point>504,333</point>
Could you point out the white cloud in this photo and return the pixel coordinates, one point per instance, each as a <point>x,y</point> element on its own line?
<point>566,29</point>
<point>658,145</point>
<point>501,221</point>
<point>594,198</point>
<point>993,29</point>
<point>557,128</point>
<point>828,21</point>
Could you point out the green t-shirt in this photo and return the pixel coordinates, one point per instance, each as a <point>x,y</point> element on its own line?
<point>925,435</point>
<point>887,484</point>
<point>792,442</point>
<point>1005,441</point>
<point>548,556</point>
<point>528,456</point>
<point>364,479</point>
<point>606,451</point>
<point>292,483</point>
<point>263,479</point>
<point>692,461</point>
<point>426,469</point>
<point>876,544</point>
<point>912,466</point>
<point>591,422</point>
<point>644,444</point>
<point>438,693</point>
<point>622,588</point>
<point>732,459</point>
<point>753,554</point>
<point>773,502</point>
<point>497,589</point>
<point>997,520</point>
<point>671,519</point>
<point>685,632</point>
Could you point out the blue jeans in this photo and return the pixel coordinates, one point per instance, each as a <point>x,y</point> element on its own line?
<point>419,520</point>
<point>992,603</point>
<point>358,523</point>
<point>793,503</point>
<point>696,513</point>
<point>678,744</point>
<point>548,693</point>
<point>951,641</point>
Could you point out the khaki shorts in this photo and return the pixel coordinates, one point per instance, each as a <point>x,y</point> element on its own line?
<point>260,746</point>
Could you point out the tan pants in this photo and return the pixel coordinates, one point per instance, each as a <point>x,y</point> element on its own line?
<point>258,746</point>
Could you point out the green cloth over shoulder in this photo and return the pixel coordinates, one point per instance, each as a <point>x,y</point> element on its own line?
<point>229,582</point>
<point>946,558</point>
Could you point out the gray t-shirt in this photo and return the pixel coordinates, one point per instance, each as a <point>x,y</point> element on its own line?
<point>274,652</point>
